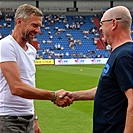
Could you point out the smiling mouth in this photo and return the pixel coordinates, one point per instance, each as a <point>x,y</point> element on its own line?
<point>33,35</point>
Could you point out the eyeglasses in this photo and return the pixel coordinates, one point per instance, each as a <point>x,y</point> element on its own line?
<point>101,22</point>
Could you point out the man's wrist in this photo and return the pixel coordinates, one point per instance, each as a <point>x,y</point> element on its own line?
<point>36,117</point>
<point>54,96</point>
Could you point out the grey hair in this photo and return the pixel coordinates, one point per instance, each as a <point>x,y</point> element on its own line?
<point>123,13</point>
<point>25,10</point>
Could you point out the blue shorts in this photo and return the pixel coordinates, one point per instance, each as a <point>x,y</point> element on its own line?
<point>17,124</point>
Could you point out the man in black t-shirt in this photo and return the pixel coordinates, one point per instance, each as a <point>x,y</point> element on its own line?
<point>110,104</point>
<point>113,98</point>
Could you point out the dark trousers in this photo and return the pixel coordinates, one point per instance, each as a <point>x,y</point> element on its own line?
<point>17,124</point>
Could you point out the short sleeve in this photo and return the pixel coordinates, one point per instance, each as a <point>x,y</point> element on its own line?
<point>7,51</point>
<point>124,72</point>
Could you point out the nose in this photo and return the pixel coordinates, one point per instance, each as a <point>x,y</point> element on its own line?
<point>38,30</point>
<point>100,29</point>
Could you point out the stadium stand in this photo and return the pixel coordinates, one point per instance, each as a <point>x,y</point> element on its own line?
<point>69,37</point>
<point>64,36</point>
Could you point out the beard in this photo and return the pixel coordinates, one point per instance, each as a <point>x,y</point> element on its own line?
<point>26,37</point>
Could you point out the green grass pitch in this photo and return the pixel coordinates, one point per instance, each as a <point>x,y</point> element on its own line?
<point>78,117</point>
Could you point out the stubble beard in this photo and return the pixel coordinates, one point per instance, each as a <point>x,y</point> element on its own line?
<point>26,38</point>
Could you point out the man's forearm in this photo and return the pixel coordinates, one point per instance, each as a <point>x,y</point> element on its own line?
<point>29,92</point>
<point>129,122</point>
<point>84,94</point>
<point>129,114</point>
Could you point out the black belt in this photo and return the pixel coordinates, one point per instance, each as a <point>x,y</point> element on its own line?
<point>28,117</point>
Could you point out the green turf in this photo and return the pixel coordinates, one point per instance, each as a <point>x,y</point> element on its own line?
<point>78,117</point>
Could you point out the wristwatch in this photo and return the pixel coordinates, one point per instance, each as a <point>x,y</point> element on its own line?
<point>36,118</point>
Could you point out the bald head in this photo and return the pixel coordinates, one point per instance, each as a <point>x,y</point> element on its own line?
<point>120,12</point>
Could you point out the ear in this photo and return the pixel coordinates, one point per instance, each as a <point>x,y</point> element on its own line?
<point>19,20</point>
<point>115,24</point>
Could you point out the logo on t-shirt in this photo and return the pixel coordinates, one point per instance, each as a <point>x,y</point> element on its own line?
<point>105,70</point>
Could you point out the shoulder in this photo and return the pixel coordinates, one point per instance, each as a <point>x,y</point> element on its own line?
<point>7,42</point>
<point>5,39</point>
<point>124,50</point>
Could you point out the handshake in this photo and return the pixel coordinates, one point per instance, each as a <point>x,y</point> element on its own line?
<point>63,98</point>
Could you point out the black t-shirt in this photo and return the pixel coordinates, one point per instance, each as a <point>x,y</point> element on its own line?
<point>110,102</point>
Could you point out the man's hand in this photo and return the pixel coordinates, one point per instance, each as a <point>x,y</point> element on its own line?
<point>68,94</point>
<point>36,127</point>
<point>62,101</point>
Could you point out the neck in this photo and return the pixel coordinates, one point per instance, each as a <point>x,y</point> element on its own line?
<point>19,41</point>
<point>120,39</point>
<point>115,46</point>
